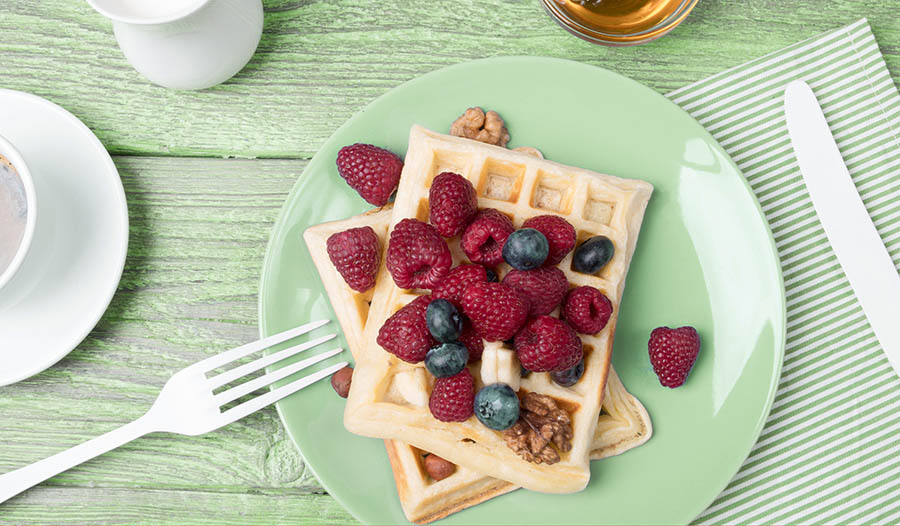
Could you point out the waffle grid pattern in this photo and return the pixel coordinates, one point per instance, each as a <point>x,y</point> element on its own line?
<point>520,186</point>
<point>623,422</point>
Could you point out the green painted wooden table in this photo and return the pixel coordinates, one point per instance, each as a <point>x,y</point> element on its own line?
<point>205,174</point>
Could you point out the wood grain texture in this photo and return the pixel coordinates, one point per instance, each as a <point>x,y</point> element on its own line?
<point>320,61</point>
<point>99,505</point>
<point>199,229</point>
<point>199,226</point>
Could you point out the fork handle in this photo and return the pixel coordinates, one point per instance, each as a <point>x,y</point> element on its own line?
<point>15,482</point>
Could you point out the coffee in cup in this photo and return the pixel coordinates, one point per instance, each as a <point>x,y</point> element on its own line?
<point>13,212</point>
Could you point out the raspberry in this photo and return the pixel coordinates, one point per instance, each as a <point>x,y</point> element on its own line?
<point>452,202</point>
<point>587,310</point>
<point>417,256</point>
<point>483,239</point>
<point>496,310</point>
<point>354,253</point>
<point>455,283</point>
<point>472,341</point>
<point>405,334</point>
<point>559,233</point>
<point>453,398</point>
<point>543,288</point>
<point>673,353</point>
<point>372,171</point>
<point>548,344</point>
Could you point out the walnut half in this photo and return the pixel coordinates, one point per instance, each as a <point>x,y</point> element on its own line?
<point>542,425</point>
<point>480,126</point>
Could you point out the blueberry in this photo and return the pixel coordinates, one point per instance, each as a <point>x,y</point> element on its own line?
<point>524,372</point>
<point>569,377</point>
<point>526,249</point>
<point>444,321</point>
<point>492,276</point>
<point>592,255</point>
<point>446,359</point>
<point>497,406</point>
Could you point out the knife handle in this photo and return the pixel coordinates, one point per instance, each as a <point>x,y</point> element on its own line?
<point>847,224</point>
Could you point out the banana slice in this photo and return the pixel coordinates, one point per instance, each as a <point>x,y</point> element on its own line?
<point>412,386</point>
<point>499,364</point>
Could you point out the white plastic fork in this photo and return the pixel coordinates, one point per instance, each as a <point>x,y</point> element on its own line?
<point>188,406</point>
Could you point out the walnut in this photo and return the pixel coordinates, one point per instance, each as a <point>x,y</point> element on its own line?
<point>541,426</point>
<point>485,127</point>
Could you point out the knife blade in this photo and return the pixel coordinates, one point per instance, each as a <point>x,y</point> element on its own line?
<point>859,249</point>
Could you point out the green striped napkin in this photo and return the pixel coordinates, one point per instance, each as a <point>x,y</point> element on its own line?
<point>830,450</point>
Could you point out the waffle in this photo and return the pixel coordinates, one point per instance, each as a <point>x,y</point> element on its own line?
<point>388,397</point>
<point>622,425</point>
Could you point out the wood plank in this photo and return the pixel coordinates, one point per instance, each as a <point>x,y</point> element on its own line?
<point>320,61</point>
<point>200,226</point>
<point>100,505</point>
<point>199,229</point>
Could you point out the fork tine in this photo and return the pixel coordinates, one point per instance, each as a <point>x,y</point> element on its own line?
<point>239,352</point>
<point>257,383</point>
<point>238,372</point>
<point>236,413</point>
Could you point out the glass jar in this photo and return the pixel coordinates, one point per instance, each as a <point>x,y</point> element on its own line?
<point>619,22</point>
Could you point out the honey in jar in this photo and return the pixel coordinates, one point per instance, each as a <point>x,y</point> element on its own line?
<point>619,22</point>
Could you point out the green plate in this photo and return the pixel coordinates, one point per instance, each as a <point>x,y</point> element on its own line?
<point>705,258</point>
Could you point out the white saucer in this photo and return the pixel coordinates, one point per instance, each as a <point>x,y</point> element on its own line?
<point>81,185</point>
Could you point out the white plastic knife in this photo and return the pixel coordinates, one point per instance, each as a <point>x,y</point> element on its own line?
<point>858,247</point>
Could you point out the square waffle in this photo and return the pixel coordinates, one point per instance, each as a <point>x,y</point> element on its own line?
<point>622,425</point>
<point>388,397</point>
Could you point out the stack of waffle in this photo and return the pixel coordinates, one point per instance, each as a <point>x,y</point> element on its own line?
<point>388,397</point>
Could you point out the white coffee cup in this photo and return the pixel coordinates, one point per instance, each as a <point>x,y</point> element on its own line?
<point>185,44</point>
<point>8,276</point>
